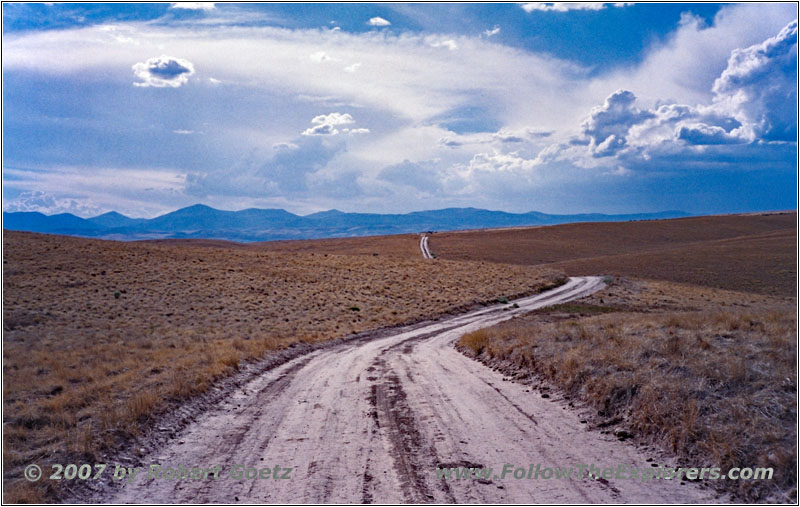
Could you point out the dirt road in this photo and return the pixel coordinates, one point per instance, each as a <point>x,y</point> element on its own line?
<point>370,420</point>
<point>423,246</point>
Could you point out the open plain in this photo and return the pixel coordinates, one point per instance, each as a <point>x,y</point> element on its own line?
<point>105,341</point>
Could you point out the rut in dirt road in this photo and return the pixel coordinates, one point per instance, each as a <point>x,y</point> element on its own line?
<point>370,421</point>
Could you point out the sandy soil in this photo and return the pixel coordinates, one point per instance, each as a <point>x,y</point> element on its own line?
<point>369,420</point>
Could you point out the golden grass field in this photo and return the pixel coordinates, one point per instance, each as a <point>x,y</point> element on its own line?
<point>752,253</point>
<point>707,374</point>
<point>100,336</point>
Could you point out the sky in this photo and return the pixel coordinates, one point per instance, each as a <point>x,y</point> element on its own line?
<point>392,108</point>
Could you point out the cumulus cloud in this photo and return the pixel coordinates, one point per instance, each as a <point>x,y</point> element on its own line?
<point>202,6</point>
<point>754,104</point>
<point>703,134</point>
<point>163,71</point>
<point>501,162</point>
<point>607,125</point>
<point>49,204</point>
<point>569,6</point>
<point>378,21</point>
<point>759,86</point>
<point>325,124</point>
<point>352,68</point>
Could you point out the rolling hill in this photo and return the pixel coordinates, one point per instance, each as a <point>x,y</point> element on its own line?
<point>200,221</point>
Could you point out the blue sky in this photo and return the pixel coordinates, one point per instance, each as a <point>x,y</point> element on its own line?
<point>562,108</point>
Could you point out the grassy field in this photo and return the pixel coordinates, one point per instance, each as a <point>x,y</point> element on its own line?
<point>405,246</point>
<point>753,253</point>
<point>100,337</point>
<point>707,374</point>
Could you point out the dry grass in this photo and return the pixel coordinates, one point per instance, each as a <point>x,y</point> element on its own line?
<point>707,374</point>
<point>101,337</point>
<point>753,253</point>
<point>400,245</point>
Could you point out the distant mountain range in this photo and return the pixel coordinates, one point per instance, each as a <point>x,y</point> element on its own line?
<point>200,221</point>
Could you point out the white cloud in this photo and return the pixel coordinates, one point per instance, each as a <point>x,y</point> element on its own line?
<point>378,21</point>
<point>569,6</point>
<point>492,32</point>
<point>759,86</point>
<point>88,191</point>
<point>357,131</point>
<point>325,124</point>
<point>49,204</point>
<point>333,119</point>
<point>501,162</point>
<point>352,68</point>
<point>607,125</point>
<point>183,132</point>
<point>683,67</point>
<point>324,129</point>
<point>702,134</point>
<point>163,71</point>
<point>449,44</point>
<point>203,6</point>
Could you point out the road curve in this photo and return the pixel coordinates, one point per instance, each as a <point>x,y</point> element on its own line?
<point>368,421</point>
<point>423,246</point>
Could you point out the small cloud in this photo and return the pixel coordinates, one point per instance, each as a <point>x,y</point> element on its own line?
<point>325,129</point>
<point>569,6</point>
<point>183,132</point>
<point>284,146</point>
<point>333,119</point>
<point>449,44</point>
<point>163,71</point>
<point>492,32</point>
<point>352,68</point>
<point>325,124</point>
<point>357,131</point>
<point>336,28</point>
<point>195,6</point>
<point>378,21</point>
<point>214,81</point>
